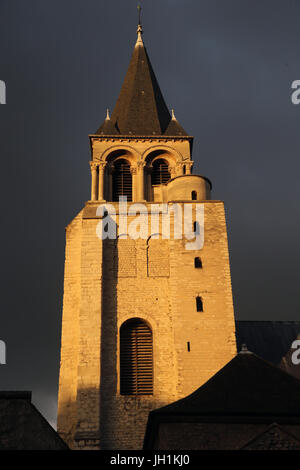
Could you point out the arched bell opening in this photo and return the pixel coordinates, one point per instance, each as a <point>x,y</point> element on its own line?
<point>158,172</point>
<point>121,180</point>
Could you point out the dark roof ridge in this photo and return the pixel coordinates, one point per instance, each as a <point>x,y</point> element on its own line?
<point>244,363</point>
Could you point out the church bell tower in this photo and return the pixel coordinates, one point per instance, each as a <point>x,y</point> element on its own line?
<point>146,320</point>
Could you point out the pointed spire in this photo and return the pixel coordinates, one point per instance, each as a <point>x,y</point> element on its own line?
<point>141,108</point>
<point>107,127</point>
<point>174,128</point>
<point>139,30</point>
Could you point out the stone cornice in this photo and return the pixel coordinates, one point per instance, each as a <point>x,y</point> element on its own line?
<point>132,138</point>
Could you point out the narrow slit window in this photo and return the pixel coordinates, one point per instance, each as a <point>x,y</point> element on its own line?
<point>188,346</point>
<point>199,304</point>
<point>194,195</point>
<point>196,228</point>
<point>198,263</point>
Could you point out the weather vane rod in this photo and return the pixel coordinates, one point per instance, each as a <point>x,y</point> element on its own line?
<point>139,10</point>
<point>139,30</point>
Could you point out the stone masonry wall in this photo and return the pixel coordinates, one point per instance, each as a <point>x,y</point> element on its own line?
<point>154,280</point>
<point>67,409</point>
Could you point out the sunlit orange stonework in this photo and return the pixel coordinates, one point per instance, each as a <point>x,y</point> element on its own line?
<point>107,283</point>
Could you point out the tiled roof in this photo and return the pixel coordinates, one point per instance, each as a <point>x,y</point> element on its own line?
<point>141,108</point>
<point>247,385</point>
<point>22,427</point>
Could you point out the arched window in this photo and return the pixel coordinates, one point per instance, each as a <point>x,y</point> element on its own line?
<point>199,304</point>
<point>160,172</point>
<point>194,195</point>
<point>122,180</point>
<point>198,263</point>
<point>136,358</point>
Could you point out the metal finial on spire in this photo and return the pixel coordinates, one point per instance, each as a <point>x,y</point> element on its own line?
<point>173,115</point>
<point>107,115</point>
<point>139,31</point>
<point>244,349</point>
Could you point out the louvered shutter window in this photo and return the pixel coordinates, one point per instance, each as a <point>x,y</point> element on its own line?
<point>160,172</point>
<point>122,180</point>
<point>136,358</point>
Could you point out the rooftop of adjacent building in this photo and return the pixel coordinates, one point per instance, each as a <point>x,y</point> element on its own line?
<point>271,340</point>
<point>23,427</point>
<point>245,397</point>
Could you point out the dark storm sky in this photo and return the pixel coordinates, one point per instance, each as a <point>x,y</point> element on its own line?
<point>226,66</point>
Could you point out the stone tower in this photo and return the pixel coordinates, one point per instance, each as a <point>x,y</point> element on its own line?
<point>148,319</point>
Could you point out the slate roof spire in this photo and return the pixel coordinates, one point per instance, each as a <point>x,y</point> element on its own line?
<point>107,127</point>
<point>141,108</point>
<point>174,128</point>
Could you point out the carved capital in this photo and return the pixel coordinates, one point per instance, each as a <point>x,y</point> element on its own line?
<point>102,165</point>
<point>149,169</point>
<point>93,166</point>
<point>189,166</point>
<point>133,170</point>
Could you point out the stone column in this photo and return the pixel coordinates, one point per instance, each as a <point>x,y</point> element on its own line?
<point>134,189</point>
<point>101,181</point>
<point>140,181</point>
<point>110,170</point>
<point>189,166</point>
<point>93,166</point>
<point>172,171</point>
<point>149,185</point>
<point>179,169</point>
